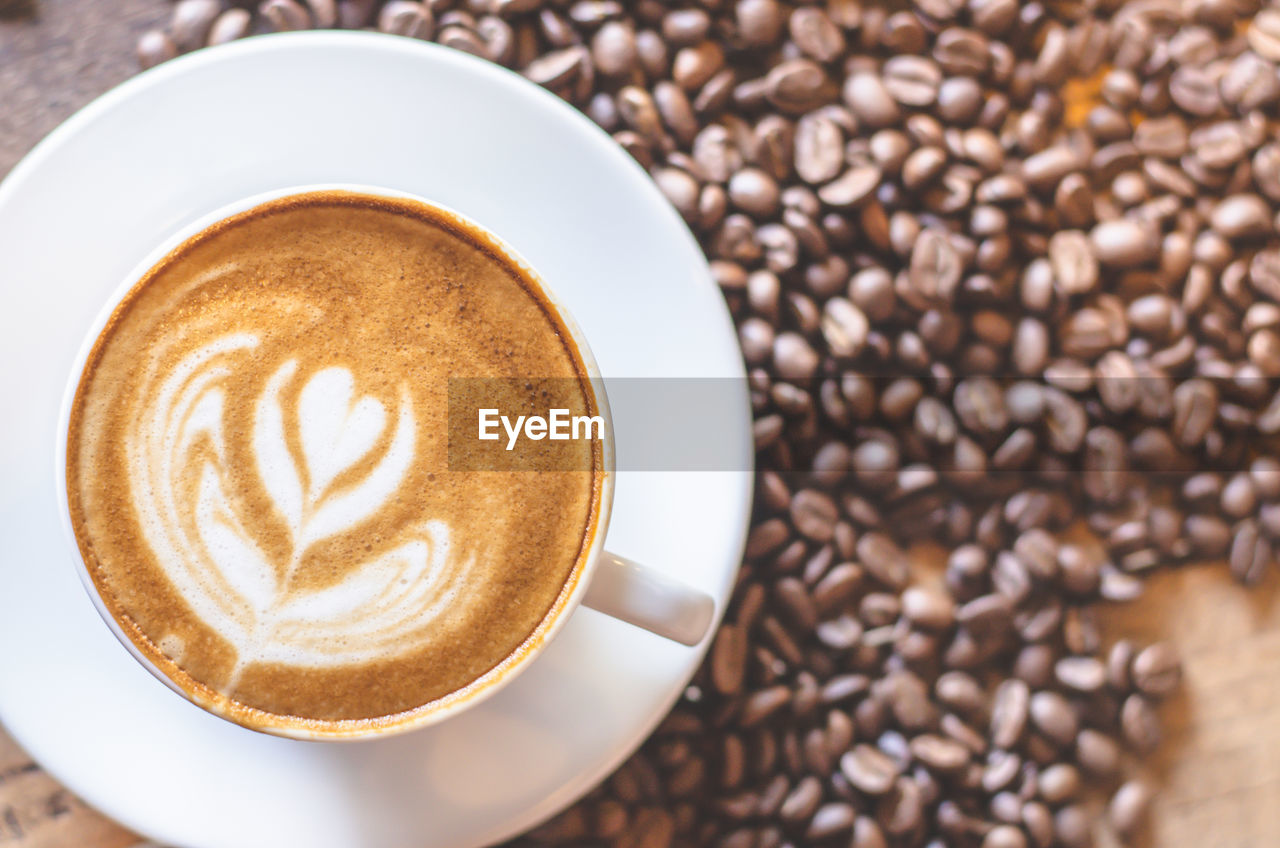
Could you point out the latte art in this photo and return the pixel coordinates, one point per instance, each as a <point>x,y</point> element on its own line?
<point>258,470</point>
<point>216,563</point>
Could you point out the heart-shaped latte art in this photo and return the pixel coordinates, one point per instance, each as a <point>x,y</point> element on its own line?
<point>336,433</point>
<point>333,486</point>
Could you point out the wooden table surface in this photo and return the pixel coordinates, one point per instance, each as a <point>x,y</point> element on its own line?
<point>1218,771</point>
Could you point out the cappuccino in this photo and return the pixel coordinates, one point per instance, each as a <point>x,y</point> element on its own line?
<point>258,464</point>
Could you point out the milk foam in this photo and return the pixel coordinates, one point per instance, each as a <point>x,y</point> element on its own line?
<point>380,608</point>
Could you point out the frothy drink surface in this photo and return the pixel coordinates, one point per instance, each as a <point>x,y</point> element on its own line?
<point>258,473</point>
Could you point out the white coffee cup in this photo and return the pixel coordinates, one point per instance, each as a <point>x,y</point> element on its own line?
<point>605,581</point>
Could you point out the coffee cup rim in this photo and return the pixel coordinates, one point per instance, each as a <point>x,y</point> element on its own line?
<point>457,701</point>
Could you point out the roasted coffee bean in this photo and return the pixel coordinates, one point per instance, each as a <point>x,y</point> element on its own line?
<point>1242,216</point>
<point>550,70</point>
<point>870,101</point>
<point>1140,724</point>
<point>1004,836</point>
<point>290,15</point>
<point>1250,552</point>
<point>651,828</point>
<point>796,604</point>
<point>960,691</point>
<point>761,705</point>
<point>883,559</point>
<point>1264,34</point>
<point>1195,406</point>
<point>928,609</point>
<point>938,753</point>
<point>962,52</point>
<point>797,85</point>
<point>935,268</point>
<point>1124,243</point>
<point>867,834</point>
<point>955,728</point>
<point>1195,91</point>
<point>191,22</point>
<point>759,22</point>
<point>1053,716</point>
<point>229,26</point>
<point>869,769</point>
<point>819,148</point>
<point>1065,420</point>
<point>728,659</point>
<point>1215,147</point>
<point>803,800</point>
<point>837,586</point>
<point>1069,375</point>
<point>1073,827</point>
<point>1034,665</point>
<point>844,327</point>
<point>1086,333</point>
<point>1164,136</point>
<point>912,80</point>
<point>680,188</point>
<point>1009,713</point>
<point>154,47</point>
<point>613,49</point>
<point>1264,273</point>
<point>840,633</point>
<point>1006,807</point>
<point>692,67</point>
<point>794,357</point>
<point>754,192</point>
<point>1002,768</point>
<point>1059,783</point>
<point>1266,170</point>
<point>1128,807</point>
<point>1097,752</point>
<point>829,820</point>
<point>815,34</point>
<point>1044,170</point>
<point>988,615</point>
<point>1156,670</point>
<point>1082,674</point>
<point>923,167</point>
<point>851,188</point>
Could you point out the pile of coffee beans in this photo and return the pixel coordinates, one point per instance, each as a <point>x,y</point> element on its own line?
<point>1006,276</point>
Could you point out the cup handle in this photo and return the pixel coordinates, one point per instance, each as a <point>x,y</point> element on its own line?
<point>641,596</point>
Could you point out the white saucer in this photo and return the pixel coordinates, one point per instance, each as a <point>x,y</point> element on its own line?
<point>225,123</point>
